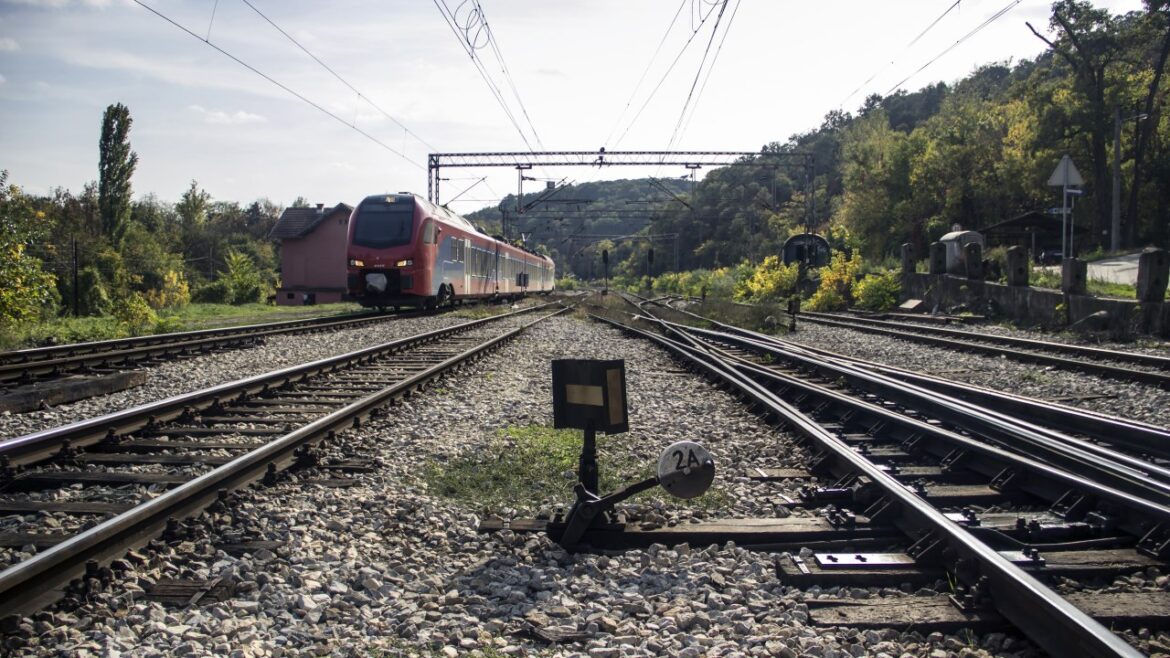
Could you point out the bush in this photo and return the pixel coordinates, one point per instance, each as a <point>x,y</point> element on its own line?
<point>770,281</point>
<point>836,287</point>
<point>135,314</point>
<point>878,292</point>
<point>174,291</point>
<point>94,298</point>
<point>826,299</point>
<point>240,283</point>
<point>216,292</point>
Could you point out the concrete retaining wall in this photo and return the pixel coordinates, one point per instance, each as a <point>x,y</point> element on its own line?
<point>1048,308</point>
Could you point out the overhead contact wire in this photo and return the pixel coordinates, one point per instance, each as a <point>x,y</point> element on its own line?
<point>994,17</point>
<point>338,76</point>
<point>281,85</point>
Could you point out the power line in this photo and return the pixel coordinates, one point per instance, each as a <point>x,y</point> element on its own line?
<point>904,49</point>
<point>665,75</point>
<point>994,17</point>
<point>279,84</point>
<point>338,76</point>
<point>719,49</point>
<point>469,47</point>
<point>646,70</point>
<point>495,45</point>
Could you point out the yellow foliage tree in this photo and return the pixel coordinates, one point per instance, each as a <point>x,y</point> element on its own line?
<point>836,289</point>
<point>771,280</point>
<point>173,293</point>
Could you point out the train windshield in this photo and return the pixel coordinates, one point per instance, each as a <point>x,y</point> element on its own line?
<point>384,224</point>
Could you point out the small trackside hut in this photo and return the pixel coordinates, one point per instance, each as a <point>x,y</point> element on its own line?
<point>406,251</point>
<point>312,254</point>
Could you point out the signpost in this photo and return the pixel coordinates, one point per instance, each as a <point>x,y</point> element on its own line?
<point>1064,177</point>
<point>591,395</point>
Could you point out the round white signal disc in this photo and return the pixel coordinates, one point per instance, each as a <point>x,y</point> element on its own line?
<point>686,469</point>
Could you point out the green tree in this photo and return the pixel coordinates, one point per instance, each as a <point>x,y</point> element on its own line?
<point>26,290</point>
<point>116,163</point>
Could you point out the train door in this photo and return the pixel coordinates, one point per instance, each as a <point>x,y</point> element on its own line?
<point>466,268</point>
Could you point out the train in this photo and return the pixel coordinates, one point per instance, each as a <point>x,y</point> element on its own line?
<point>403,250</point>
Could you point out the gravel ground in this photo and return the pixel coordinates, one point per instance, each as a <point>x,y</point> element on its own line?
<point>386,568</point>
<point>1135,401</point>
<point>186,375</point>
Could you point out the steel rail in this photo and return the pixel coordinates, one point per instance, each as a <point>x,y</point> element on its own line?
<point>13,371</point>
<point>117,344</point>
<point>30,584</point>
<point>40,445</point>
<point>1152,360</point>
<point>1041,614</point>
<point>1159,379</point>
<point>1120,470</point>
<point>1143,437</point>
<point>1037,466</point>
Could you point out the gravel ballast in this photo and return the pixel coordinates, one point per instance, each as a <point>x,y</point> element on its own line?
<point>191,374</point>
<point>385,567</point>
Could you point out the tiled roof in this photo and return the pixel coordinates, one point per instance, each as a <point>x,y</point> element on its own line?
<point>299,222</point>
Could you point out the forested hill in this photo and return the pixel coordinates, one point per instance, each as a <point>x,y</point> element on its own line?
<point>908,166</point>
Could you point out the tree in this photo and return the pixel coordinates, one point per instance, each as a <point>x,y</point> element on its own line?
<point>116,164</point>
<point>26,290</point>
<point>1090,46</point>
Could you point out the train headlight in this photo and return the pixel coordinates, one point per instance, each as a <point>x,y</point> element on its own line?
<point>376,281</point>
<point>354,262</point>
<point>404,263</point>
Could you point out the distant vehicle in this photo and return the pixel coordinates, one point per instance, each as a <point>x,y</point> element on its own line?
<point>808,249</point>
<point>406,251</point>
<point>1050,256</point>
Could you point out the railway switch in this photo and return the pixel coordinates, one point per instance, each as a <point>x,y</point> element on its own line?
<point>685,470</point>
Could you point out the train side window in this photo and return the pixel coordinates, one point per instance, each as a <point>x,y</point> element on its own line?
<point>429,232</point>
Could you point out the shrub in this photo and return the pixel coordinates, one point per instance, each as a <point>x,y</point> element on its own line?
<point>174,291</point>
<point>770,281</point>
<point>836,287</point>
<point>135,314</point>
<point>878,292</point>
<point>826,299</point>
<point>216,292</point>
<point>94,298</point>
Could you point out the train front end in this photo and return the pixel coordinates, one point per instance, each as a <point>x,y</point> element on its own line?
<point>387,264</point>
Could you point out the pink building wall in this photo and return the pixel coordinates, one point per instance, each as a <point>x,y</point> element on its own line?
<point>314,264</point>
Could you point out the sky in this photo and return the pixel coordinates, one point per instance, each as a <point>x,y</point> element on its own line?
<point>588,73</point>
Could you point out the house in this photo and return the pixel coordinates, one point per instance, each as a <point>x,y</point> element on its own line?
<point>312,254</point>
<point>1035,231</point>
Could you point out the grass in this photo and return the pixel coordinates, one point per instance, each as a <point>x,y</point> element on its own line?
<point>193,316</point>
<point>532,467</point>
<point>1040,278</point>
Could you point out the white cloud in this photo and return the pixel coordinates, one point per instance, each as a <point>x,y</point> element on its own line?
<point>224,118</point>
<point>8,44</point>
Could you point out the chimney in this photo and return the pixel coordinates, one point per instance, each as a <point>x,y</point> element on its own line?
<point>320,207</point>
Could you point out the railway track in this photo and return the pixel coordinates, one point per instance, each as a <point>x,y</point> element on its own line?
<point>1114,364</point>
<point>101,357</point>
<point>111,483</point>
<point>912,485</point>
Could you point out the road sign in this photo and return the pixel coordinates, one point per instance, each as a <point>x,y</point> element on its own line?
<point>1066,174</point>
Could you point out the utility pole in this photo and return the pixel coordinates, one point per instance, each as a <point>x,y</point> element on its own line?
<point>1115,224</point>
<point>76,293</point>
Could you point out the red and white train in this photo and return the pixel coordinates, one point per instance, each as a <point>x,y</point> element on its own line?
<point>405,251</point>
